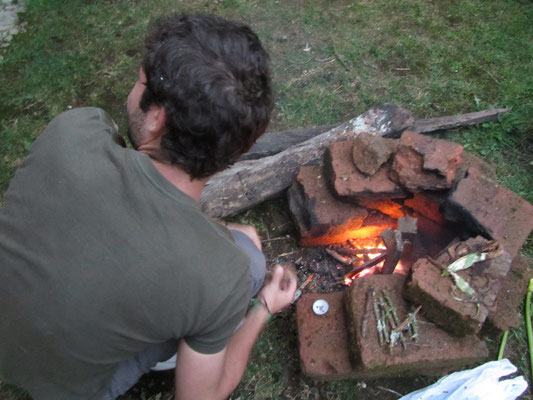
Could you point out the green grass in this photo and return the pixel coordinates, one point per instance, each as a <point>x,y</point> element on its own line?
<point>332,60</point>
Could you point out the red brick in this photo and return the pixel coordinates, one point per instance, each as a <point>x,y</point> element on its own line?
<point>324,343</point>
<point>321,218</point>
<point>428,204</point>
<point>323,340</point>
<point>436,352</point>
<point>349,183</point>
<point>425,163</point>
<point>470,160</point>
<point>443,303</point>
<point>492,210</point>
<point>505,315</point>
<point>386,206</point>
<point>371,152</point>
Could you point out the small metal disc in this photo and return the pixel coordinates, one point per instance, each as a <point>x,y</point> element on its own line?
<point>320,307</point>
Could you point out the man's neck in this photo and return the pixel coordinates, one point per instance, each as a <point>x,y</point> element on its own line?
<point>181,179</point>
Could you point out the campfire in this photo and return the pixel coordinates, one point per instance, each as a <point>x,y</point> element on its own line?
<point>396,216</point>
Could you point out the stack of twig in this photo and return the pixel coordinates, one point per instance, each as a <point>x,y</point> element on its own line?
<point>389,328</point>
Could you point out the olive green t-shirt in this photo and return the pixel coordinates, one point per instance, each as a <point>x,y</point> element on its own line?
<point>100,257</point>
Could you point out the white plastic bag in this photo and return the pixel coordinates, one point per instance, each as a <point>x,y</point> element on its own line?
<point>480,383</point>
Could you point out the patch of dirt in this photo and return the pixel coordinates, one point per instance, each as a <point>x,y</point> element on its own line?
<point>9,26</point>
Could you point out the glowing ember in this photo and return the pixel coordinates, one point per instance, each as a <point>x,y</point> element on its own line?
<point>365,272</point>
<point>401,269</point>
<point>363,245</point>
<point>362,258</point>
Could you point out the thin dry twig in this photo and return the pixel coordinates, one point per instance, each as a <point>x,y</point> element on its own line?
<point>288,254</point>
<point>389,390</point>
<point>277,238</point>
<point>338,257</point>
<point>368,309</point>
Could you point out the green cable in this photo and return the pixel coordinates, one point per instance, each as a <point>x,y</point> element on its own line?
<point>502,344</point>
<point>528,326</point>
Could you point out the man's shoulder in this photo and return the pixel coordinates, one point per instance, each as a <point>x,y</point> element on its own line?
<point>84,117</point>
<point>83,113</point>
<point>76,130</point>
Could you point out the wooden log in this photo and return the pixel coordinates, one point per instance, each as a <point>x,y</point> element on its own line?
<point>273,142</point>
<point>456,121</point>
<point>248,183</point>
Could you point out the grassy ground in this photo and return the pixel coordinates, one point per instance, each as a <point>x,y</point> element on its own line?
<point>332,60</point>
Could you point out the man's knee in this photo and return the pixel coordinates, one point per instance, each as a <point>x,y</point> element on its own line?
<point>257,259</point>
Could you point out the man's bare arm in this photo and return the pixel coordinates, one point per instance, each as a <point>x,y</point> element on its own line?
<point>214,376</point>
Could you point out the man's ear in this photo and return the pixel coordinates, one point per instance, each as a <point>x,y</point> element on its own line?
<point>155,121</point>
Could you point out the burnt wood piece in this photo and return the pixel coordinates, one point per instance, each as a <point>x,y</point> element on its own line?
<point>368,264</point>
<point>274,142</point>
<point>456,121</point>
<point>338,257</point>
<point>354,252</point>
<point>408,229</point>
<point>394,243</point>
<point>248,183</point>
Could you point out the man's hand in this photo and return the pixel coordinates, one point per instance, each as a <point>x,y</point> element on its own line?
<point>214,376</point>
<point>279,292</point>
<point>248,230</point>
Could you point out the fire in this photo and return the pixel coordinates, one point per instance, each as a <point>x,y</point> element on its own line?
<point>364,273</point>
<point>363,248</point>
<point>370,250</point>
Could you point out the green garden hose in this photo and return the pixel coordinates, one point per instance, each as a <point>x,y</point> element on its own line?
<point>528,326</point>
<point>502,344</point>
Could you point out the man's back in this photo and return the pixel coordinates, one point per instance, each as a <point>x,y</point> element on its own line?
<point>100,257</point>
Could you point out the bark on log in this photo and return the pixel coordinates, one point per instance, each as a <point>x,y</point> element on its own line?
<point>248,183</point>
<point>273,142</point>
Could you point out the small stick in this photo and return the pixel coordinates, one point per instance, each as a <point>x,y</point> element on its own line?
<point>392,315</point>
<point>389,390</point>
<point>338,257</point>
<point>388,312</point>
<point>287,254</point>
<point>299,291</point>
<point>368,307</point>
<point>366,265</point>
<point>306,282</point>
<point>407,320</point>
<point>391,305</point>
<point>379,324</point>
<point>413,324</point>
<point>277,238</point>
<point>385,326</point>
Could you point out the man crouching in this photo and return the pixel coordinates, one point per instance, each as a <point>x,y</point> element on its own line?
<point>107,265</point>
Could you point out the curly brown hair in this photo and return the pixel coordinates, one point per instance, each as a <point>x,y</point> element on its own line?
<point>212,76</point>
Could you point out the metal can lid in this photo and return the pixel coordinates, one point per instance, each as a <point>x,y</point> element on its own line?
<point>320,307</point>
